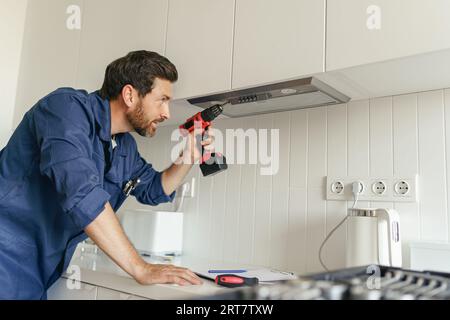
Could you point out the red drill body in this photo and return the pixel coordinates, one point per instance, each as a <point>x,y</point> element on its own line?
<point>190,123</point>
<point>202,121</point>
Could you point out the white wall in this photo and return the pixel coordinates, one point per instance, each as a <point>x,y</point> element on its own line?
<point>280,221</point>
<point>12,22</point>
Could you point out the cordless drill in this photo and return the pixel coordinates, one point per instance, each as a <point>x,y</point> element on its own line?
<point>210,163</point>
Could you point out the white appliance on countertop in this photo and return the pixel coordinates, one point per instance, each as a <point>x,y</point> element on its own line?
<point>154,232</point>
<point>434,256</point>
<point>373,237</point>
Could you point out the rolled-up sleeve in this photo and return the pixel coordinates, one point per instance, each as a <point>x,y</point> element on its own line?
<point>149,190</point>
<point>64,130</point>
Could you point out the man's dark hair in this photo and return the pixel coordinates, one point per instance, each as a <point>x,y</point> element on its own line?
<point>139,69</point>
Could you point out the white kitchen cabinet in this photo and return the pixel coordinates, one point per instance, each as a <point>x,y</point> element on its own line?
<point>200,44</point>
<point>12,25</point>
<point>61,291</point>
<point>49,52</point>
<point>366,31</point>
<point>112,28</point>
<point>276,40</point>
<point>108,294</point>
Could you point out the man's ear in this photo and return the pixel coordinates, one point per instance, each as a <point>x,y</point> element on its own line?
<point>129,95</point>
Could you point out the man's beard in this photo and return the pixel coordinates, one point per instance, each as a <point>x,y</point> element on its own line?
<point>139,122</point>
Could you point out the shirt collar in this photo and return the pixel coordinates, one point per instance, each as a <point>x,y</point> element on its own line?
<point>102,112</point>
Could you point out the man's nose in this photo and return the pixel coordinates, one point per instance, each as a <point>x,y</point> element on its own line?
<point>166,112</point>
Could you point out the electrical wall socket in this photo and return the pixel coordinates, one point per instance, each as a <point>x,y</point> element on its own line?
<point>386,189</point>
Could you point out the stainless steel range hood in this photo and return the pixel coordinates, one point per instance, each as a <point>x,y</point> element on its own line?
<point>281,96</point>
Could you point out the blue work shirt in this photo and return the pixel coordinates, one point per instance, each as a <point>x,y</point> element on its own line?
<point>57,172</point>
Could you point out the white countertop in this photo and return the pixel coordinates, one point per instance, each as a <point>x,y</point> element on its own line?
<point>98,270</point>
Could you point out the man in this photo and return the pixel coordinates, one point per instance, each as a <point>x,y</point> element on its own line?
<point>66,170</point>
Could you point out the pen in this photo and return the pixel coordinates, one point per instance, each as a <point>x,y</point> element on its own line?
<point>227,271</point>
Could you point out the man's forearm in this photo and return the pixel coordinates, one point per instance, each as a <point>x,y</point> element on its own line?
<point>108,234</point>
<point>173,176</point>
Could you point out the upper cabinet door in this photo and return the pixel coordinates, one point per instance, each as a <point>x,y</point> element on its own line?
<point>112,28</point>
<point>49,51</point>
<point>276,40</point>
<point>200,44</point>
<point>366,31</point>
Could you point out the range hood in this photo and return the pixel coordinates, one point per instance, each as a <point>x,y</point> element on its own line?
<point>280,96</point>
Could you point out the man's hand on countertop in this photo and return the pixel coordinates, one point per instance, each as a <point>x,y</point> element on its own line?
<point>166,273</point>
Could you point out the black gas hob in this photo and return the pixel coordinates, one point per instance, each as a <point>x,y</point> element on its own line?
<point>362,283</point>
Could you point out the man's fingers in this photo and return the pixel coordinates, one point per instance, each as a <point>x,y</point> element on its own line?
<point>189,276</point>
<point>182,276</point>
<point>167,273</point>
<point>180,281</point>
<point>193,274</point>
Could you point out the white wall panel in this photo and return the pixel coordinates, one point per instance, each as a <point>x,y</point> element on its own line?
<point>432,166</point>
<point>280,195</point>
<point>298,163</point>
<point>358,142</point>
<point>233,195</point>
<point>317,147</point>
<point>298,168</point>
<point>204,216</point>
<point>297,236</point>
<point>334,251</point>
<point>447,154</point>
<point>404,118</point>
<point>263,205</point>
<point>317,171</point>
<point>218,224</point>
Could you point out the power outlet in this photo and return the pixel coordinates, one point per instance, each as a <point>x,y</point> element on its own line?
<point>337,187</point>
<point>379,187</point>
<point>405,188</point>
<point>386,189</point>
<point>401,188</point>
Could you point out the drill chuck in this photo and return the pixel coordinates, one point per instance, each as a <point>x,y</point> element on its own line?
<point>212,112</point>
